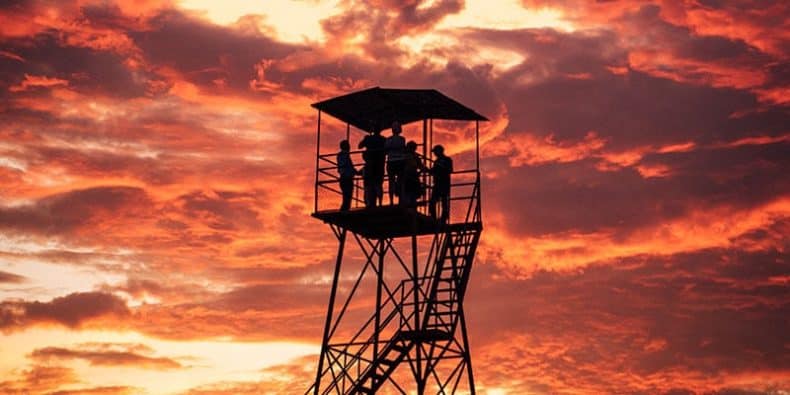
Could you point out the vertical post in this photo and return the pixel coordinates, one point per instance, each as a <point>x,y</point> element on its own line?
<point>354,192</point>
<point>379,285</point>
<point>467,353</point>
<point>478,208</point>
<point>330,310</point>
<point>415,274</point>
<point>477,145</point>
<point>430,136</point>
<point>424,153</point>
<point>424,137</point>
<point>317,155</point>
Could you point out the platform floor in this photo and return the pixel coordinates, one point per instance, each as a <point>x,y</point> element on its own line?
<point>387,222</point>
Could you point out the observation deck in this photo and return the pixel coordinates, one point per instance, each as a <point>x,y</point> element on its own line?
<point>389,222</point>
<point>388,219</point>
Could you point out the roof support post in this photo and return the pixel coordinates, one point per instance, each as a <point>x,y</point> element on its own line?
<point>477,146</point>
<point>317,158</point>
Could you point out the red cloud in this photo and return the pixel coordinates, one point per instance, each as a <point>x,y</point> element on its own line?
<point>34,81</point>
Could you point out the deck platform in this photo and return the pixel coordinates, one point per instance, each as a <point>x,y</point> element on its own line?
<point>388,222</point>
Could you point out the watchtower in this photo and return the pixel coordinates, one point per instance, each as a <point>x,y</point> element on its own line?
<point>395,321</point>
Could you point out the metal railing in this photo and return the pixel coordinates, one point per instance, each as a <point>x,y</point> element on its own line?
<point>464,188</point>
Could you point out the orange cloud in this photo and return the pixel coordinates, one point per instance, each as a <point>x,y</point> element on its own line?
<point>99,355</point>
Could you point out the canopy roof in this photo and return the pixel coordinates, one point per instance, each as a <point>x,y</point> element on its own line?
<point>381,106</point>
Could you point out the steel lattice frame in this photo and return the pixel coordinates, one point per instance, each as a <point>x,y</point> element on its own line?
<point>435,363</point>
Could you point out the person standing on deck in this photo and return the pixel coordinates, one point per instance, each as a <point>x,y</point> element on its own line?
<point>373,177</point>
<point>411,187</point>
<point>441,171</point>
<point>395,147</point>
<point>345,167</point>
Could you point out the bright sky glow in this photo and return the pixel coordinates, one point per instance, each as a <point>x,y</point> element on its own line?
<point>293,21</point>
<point>206,361</point>
<point>504,15</point>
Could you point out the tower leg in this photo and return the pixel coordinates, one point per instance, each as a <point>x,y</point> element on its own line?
<point>379,284</point>
<point>416,274</point>
<point>330,311</point>
<point>467,352</point>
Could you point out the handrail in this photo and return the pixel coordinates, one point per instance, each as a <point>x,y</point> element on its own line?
<point>328,180</point>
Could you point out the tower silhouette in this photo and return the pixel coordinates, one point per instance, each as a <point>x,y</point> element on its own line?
<point>395,321</point>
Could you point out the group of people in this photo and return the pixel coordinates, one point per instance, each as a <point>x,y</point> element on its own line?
<point>403,166</point>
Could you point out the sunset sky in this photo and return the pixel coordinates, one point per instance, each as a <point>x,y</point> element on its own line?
<point>156,164</point>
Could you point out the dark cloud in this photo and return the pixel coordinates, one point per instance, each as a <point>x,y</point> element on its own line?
<point>578,196</point>
<point>205,52</point>
<point>223,210</point>
<point>72,310</point>
<point>67,212</point>
<point>711,313</point>
<point>84,68</point>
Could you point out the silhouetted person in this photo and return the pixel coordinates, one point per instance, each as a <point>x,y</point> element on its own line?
<point>345,167</point>
<point>441,171</point>
<point>395,148</point>
<point>411,188</point>
<point>373,176</point>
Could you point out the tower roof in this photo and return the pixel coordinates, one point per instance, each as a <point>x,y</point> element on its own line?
<point>383,106</point>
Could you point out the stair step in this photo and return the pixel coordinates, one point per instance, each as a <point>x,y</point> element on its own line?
<point>398,348</point>
<point>385,361</point>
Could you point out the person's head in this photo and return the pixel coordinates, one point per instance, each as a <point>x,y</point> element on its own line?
<point>374,128</point>
<point>396,129</point>
<point>438,150</point>
<point>345,146</point>
<point>411,146</point>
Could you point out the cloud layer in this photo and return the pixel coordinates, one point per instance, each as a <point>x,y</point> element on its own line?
<point>157,182</point>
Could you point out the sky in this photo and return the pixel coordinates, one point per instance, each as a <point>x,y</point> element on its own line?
<point>156,162</point>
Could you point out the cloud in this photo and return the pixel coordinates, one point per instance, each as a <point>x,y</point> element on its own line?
<point>546,199</point>
<point>38,378</point>
<point>11,278</point>
<point>109,390</point>
<point>73,310</point>
<point>44,379</point>
<point>106,355</point>
<point>69,212</point>
<point>706,320</point>
<point>32,81</point>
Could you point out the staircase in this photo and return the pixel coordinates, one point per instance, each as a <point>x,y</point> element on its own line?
<point>446,279</point>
